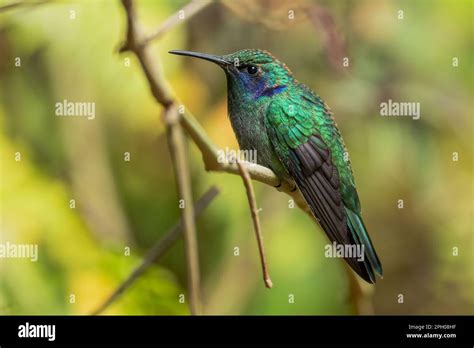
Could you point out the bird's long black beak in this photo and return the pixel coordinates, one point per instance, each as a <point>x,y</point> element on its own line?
<point>210,57</point>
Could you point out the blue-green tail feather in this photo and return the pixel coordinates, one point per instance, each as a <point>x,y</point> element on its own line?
<point>360,235</point>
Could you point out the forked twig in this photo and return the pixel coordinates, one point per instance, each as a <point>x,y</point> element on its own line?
<point>161,91</point>
<point>256,221</point>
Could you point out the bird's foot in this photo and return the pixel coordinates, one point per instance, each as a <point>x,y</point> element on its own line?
<point>292,185</point>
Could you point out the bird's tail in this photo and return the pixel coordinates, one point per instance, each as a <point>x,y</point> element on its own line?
<point>359,233</point>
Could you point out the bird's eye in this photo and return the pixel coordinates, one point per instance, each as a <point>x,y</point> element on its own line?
<point>252,69</point>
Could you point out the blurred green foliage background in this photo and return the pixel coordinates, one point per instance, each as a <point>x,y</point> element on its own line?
<point>131,204</point>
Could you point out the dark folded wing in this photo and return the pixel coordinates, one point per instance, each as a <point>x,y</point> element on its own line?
<point>317,178</point>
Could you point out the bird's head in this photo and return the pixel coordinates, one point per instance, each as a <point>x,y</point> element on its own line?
<point>255,73</point>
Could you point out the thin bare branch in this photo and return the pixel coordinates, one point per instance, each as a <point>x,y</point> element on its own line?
<point>256,222</point>
<point>177,146</point>
<point>182,15</point>
<point>158,86</point>
<point>158,250</point>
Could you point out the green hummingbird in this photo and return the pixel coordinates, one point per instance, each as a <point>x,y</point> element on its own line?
<point>294,133</point>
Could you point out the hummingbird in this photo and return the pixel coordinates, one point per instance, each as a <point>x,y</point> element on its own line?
<point>294,134</point>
